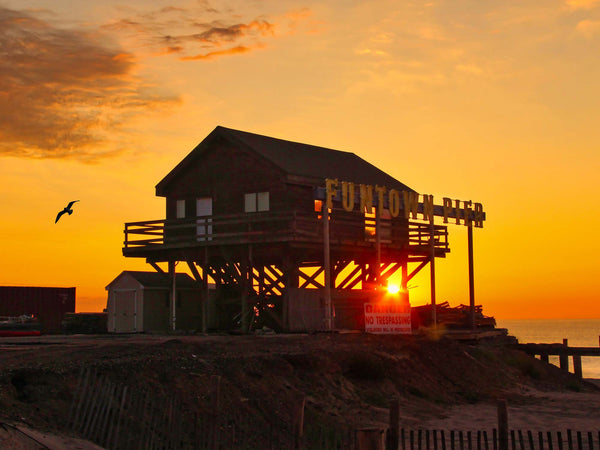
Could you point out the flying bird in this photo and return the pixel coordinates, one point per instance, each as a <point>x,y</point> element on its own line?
<point>67,209</point>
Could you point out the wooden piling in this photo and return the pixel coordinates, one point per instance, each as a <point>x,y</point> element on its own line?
<point>564,357</point>
<point>577,366</point>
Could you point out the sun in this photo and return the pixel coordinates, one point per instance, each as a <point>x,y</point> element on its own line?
<point>393,288</point>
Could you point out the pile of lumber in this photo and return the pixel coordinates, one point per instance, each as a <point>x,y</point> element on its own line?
<point>451,317</point>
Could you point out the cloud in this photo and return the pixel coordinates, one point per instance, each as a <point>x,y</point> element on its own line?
<point>217,36</point>
<point>210,55</point>
<point>204,33</point>
<point>582,4</point>
<point>64,93</point>
<point>588,28</point>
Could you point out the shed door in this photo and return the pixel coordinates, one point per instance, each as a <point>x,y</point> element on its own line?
<point>203,224</point>
<point>125,314</point>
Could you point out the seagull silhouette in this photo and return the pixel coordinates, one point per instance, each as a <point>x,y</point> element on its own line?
<point>66,210</point>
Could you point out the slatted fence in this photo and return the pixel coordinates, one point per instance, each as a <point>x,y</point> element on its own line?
<point>117,417</point>
<point>482,440</point>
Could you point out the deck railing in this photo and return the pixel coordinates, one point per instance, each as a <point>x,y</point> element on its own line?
<point>279,227</point>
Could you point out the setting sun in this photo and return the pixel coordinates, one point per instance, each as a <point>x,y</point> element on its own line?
<point>393,288</point>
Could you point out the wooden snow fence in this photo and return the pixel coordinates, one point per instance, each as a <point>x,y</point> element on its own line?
<point>482,440</point>
<point>117,417</point>
<point>500,438</point>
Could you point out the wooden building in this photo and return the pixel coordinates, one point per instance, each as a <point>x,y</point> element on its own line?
<point>140,302</point>
<point>292,235</point>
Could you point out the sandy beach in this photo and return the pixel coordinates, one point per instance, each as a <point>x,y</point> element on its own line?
<point>349,379</point>
<point>532,410</point>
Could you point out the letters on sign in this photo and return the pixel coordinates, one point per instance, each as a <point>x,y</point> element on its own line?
<point>402,202</point>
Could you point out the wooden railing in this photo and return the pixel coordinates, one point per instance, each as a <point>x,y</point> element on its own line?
<point>278,227</point>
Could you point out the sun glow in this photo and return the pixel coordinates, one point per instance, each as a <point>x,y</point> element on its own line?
<point>393,288</point>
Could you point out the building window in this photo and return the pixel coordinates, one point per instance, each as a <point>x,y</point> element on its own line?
<point>256,201</point>
<point>180,209</point>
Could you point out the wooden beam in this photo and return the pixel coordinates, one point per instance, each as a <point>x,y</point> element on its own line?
<point>349,279</point>
<point>417,270</point>
<point>389,270</point>
<point>156,267</point>
<point>194,271</point>
<point>311,279</point>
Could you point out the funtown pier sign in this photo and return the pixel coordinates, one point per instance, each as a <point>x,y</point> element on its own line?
<point>366,196</point>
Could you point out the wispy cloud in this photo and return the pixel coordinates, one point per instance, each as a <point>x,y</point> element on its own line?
<point>205,33</point>
<point>588,28</point>
<point>210,55</point>
<point>64,93</point>
<point>582,4</point>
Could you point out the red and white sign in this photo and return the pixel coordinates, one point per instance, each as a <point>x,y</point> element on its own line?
<point>387,318</point>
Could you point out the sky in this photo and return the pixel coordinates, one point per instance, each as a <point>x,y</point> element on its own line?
<point>491,101</point>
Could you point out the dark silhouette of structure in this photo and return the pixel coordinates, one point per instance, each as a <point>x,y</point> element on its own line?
<point>253,215</point>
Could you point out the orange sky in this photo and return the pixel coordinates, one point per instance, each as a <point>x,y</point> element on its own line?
<point>495,102</point>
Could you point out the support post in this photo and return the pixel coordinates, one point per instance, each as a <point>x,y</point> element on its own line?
<point>378,246</point>
<point>327,266</point>
<point>405,274</point>
<point>173,276</point>
<point>471,279</point>
<point>206,296</point>
<point>432,271</point>
<point>245,318</point>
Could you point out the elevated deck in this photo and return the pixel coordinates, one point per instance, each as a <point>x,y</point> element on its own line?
<point>150,238</point>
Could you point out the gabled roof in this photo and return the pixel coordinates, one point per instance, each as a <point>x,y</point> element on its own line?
<point>294,158</point>
<point>157,280</point>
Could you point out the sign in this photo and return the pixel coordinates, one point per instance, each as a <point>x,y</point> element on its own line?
<point>407,203</point>
<point>387,318</point>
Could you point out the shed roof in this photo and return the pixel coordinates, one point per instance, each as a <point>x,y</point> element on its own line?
<point>156,279</point>
<point>294,158</point>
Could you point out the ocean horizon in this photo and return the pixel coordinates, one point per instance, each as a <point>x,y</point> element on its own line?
<point>579,332</point>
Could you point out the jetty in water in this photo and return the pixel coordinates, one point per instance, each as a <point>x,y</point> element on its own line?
<point>563,351</point>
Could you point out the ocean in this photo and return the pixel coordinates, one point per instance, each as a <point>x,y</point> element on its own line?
<point>579,332</point>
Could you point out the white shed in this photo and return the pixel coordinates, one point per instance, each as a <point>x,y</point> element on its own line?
<point>140,302</point>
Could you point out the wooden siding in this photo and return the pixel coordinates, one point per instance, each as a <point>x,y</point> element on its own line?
<point>225,174</point>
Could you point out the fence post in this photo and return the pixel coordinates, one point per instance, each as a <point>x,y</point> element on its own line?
<point>370,439</point>
<point>215,382</point>
<point>299,425</point>
<point>394,429</point>
<point>502,425</point>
